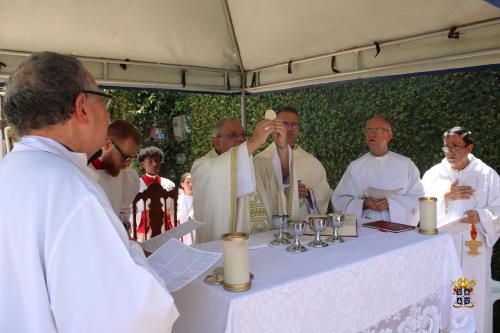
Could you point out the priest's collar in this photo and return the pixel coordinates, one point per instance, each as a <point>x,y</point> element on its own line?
<point>95,156</point>
<point>151,176</point>
<point>470,158</point>
<point>380,157</point>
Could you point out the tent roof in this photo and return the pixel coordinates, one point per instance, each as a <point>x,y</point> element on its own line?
<point>211,45</point>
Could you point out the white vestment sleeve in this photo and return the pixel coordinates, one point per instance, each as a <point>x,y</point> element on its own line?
<point>277,167</point>
<point>245,173</point>
<point>344,198</point>
<point>131,184</point>
<point>489,215</point>
<point>404,207</point>
<point>113,292</point>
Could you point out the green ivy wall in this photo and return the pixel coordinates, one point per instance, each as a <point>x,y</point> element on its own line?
<point>421,109</point>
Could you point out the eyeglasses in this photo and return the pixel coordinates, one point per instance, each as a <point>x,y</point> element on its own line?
<point>105,98</point>
<point>125,158</point>
<point>376,130</point>
<point>233,136</point>
<point>454,148</point>
<point>290,125</point>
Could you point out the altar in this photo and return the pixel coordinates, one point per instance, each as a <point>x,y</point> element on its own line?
<point>378,281</point>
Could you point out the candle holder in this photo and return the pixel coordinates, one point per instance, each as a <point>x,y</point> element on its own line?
<point>428,216</point>
<point>236,267</point>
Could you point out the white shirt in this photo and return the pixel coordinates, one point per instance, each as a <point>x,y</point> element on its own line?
<point>389,172</point>
<point>66,263</point>
<point>184,207</point>
<point>121,190</point>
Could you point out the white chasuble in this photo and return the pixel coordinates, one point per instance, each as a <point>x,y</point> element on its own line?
<point>476,264</point>
<point>389,172</point>
<point>223,193</point>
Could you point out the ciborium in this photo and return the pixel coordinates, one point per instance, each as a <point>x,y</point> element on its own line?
<point>336,220</point>
<point>279,222</point>
<point>296,229</point>
<point>318,224</point>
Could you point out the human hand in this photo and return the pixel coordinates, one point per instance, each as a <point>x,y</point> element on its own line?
<point>262,130</point>
<point>457,192</point>
<point>470,217</point>
<point>378,205</point>
<point>279,134</point>
<point>303,190</point>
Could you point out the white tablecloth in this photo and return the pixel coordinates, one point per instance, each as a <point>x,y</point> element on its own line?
<point>378,282</point>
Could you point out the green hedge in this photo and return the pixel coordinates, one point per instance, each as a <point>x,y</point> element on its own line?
<point>421,109</point>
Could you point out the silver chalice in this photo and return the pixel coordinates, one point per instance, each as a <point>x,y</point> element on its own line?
<point>279,222</point>
<point>318,224</point>
<point>336,220</point>
<point>296,228</point>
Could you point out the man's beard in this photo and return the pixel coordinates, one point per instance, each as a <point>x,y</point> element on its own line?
<point>110,167</point>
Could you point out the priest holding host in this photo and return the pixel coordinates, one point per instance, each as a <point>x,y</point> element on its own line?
<point>306,189</point>
<point>68,263</point>
<point>468,206</point>
<point>380,185</point>
<point>224,184</point>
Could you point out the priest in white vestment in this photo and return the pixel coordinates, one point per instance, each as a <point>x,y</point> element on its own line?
<point>118,180</point>
<point>306,191</point>
<point>67,263</point>
<point>224,190</point>
<point>359,190</point>
<point>468,206</point>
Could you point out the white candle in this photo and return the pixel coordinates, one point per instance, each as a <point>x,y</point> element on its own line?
<point>428,215</point>
<point>236,271</point>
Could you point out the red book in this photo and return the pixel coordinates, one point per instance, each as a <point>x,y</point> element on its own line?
<point>388,226</point>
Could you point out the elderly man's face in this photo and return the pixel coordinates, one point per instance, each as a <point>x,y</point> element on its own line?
<point>151,165</point>
<point>377,135</point>
<point>231,135</point>
<point>456,151</point>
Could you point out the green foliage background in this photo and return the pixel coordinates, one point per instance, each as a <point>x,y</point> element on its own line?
<point>421,108</point>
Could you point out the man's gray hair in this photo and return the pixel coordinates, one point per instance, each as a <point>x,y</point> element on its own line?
<point>219,125</point>
<point>43,90</point>
<point>380,116</point>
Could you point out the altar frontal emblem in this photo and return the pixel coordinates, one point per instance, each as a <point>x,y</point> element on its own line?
<point>463,289</point>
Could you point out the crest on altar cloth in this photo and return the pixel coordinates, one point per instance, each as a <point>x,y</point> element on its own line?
<point>463,289</point>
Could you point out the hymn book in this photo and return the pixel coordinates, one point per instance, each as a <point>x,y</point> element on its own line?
<point>388,226</point>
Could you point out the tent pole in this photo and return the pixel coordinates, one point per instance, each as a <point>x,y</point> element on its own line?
<point>243,108</point>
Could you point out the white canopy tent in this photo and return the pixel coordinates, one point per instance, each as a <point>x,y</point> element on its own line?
<point>239,47</point>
